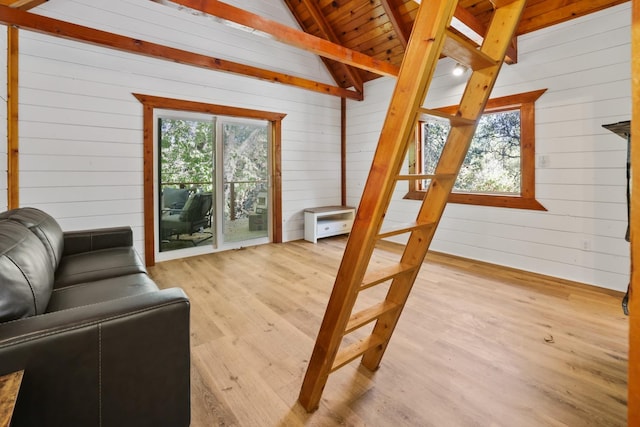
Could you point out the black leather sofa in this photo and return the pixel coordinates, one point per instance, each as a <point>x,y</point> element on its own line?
<point>99,343</point>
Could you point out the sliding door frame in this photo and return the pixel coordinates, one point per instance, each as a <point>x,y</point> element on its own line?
<point>150,103</point>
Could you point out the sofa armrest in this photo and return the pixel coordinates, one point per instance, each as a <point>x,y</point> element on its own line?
<point>100,238</point>
<point>35,327</point>
<point>124,362</point>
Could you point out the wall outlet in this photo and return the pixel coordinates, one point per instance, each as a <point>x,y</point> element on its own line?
<point>585,244</point>
<point>543,161</point>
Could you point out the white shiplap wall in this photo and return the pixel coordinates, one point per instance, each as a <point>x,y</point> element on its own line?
<point>585,64</point>
<point>81,129</point>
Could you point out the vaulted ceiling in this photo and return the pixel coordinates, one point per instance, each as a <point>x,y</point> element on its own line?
<point>358,40</point>
<point>381,28</point>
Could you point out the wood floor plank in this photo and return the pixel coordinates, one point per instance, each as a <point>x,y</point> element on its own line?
<point>476,344</point>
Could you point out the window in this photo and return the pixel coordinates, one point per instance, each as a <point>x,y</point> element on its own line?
<point>499,169</point>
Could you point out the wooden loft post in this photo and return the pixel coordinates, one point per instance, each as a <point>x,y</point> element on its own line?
<point>633,400</point>
<point>343,151</point>
<point>13,185</point>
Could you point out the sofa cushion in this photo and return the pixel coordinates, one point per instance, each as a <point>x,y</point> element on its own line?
<point>100,291</point>
<point>79,241</point>
<point>26,272</point>
<point>174,198</point>
<point>44,226</point>
<point>98,265</point>
<point>190,207</point>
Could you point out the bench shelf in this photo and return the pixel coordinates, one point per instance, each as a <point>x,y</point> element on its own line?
<point>326,221</point>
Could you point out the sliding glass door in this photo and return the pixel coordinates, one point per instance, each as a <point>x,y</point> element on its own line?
<point>213,184</point>
<point>245,172</point>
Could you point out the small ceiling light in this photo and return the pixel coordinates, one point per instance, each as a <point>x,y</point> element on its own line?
<point>459,70</point>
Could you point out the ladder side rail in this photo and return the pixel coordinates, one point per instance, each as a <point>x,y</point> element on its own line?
<point>397,293</point>
<point>415,74</point>
<point>472,105</point>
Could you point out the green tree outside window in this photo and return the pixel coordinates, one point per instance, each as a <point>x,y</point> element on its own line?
<point>492,164</point>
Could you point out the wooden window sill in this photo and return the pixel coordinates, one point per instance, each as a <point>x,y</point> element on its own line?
<point>513,202</point>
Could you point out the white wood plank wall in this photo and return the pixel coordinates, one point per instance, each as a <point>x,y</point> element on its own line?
<point>585,64</point>
<point>81,129</point>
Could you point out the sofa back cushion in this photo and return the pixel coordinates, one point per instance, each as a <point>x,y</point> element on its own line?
<point>44,226</point>
<point>26,273</point>
<point>174,198</point>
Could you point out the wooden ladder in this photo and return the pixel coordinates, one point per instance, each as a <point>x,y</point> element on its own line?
<point>431,37</point>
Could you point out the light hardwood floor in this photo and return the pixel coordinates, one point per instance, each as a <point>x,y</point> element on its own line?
<point>476,345</point>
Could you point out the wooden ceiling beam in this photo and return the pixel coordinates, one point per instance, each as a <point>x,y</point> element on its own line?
<point>291,36</point>
<point>391,8</point>
<point>66,30</point>
<point>329,34</point>
<point>343,81</point>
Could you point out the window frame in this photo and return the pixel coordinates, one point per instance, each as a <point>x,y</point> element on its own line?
<point>525,102</point>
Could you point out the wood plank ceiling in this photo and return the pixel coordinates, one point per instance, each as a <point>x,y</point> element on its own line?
<point>381,28</point>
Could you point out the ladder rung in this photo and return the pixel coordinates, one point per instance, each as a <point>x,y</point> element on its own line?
<point>370,314</point>
<point>384,274</point>
<point>405,228</point>
<point>454,120</point>
<point>465,52</point>
<point>415,177</point>
<point>354,350</point>
<point>419,177</point>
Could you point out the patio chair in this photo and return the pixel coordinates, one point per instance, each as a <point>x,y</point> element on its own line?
<point>194,217</point>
